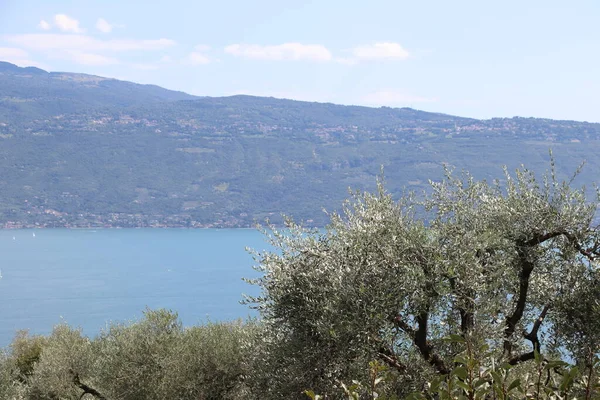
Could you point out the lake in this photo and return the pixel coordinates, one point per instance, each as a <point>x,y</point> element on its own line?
<point>90,277</point>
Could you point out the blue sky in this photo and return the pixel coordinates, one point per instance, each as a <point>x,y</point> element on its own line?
<point>470,58</point>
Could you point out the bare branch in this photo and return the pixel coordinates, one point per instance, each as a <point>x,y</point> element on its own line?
<point>511,321</point>
<point>532,336</point>
<point>425,347</point>
<point>86,389</point>
<point>522,358</point>
<point>467,319</point>
<point>419,337</point>
<point>392,361</point>
<point>542,238</point>
<point>591,252</point>
<point>538,322</point>
<point>400,323</point>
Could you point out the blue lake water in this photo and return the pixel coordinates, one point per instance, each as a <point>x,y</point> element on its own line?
<point>90,277</point>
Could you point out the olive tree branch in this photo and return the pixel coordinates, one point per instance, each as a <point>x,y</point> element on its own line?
<point>532,336</point>
<point>391,360</point>
<point>419,338</point>
<point>86,389</point>
<point>512,320</point>
<point>590,252</point>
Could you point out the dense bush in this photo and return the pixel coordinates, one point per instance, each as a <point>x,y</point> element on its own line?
<point>154,358</point>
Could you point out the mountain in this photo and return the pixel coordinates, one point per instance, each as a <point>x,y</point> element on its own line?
<point>81,150</point>
<point>32,93</point>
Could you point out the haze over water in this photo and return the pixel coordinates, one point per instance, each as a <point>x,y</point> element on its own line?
<point>89,277</point>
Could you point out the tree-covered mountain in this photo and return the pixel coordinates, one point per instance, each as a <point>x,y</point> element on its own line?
<point>32,93</point>
<point>81,150</point>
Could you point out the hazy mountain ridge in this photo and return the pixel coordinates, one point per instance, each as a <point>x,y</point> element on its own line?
<point>79,150</point>
<point>31,93</point>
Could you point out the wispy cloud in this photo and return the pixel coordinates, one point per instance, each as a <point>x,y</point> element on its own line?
<point>17,56</point>
<point>91,59</point>
<point>93,50</point>
<point>84,49</point>
<point>202,47</point>
<point>12,52</point>
<point>378,51</point>
<point>103,26</point>
<point>196,58</point>
<point>281,52</point>
<point>317,52</point>
<point>394,97</point>
<point>199,56</point>
<point>44,25</point>
<point>67,24</point>
<point>50,41</point>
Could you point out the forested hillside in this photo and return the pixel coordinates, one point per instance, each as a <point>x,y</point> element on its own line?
<point>81,150</point>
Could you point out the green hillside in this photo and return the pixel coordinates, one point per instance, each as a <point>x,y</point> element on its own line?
<point>31,93</point>
<point>80,150</point>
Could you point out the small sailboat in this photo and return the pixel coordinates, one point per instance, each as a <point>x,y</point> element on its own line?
<point>0,274</point>
<point>14,238</point>
<point>33,234</point>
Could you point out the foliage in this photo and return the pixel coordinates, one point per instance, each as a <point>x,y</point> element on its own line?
<point>501,267</point>
<point>212,361</point>
<point>11,384</point>
<point>154,358</point>
<point>26,351</point>
<point>66,360</point>
<point>483,379</point>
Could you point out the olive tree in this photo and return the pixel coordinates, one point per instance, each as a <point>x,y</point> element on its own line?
<point>65,367</point>
<point>12,385</point>
<point>132,357</point>
<point>210,361</point>
<point>157,358</point>
<point>509,267</point>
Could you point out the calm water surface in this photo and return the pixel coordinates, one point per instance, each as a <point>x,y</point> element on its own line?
<point>90,277</point>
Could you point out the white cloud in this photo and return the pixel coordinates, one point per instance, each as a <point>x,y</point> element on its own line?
<point>12,53</point>
<point>92,59</point>
<point>196,58</point>
<point>84,49</point>
<point>394,97</point>
<point>44,25</point>
<point>285,51</point>
<point>67,24</point>
<point>51,42</point>
<point>166,59</point>
<point>18,57</point>
<point>380,51</point>
<point>103,26</point>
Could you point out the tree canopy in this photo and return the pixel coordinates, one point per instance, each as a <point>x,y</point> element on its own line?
<point>508,266</point>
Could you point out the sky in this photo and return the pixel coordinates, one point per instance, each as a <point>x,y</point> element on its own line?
<point>478,59</point>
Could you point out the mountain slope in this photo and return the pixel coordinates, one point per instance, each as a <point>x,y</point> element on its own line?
<point>153,160</point>
<point>30,93</point>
